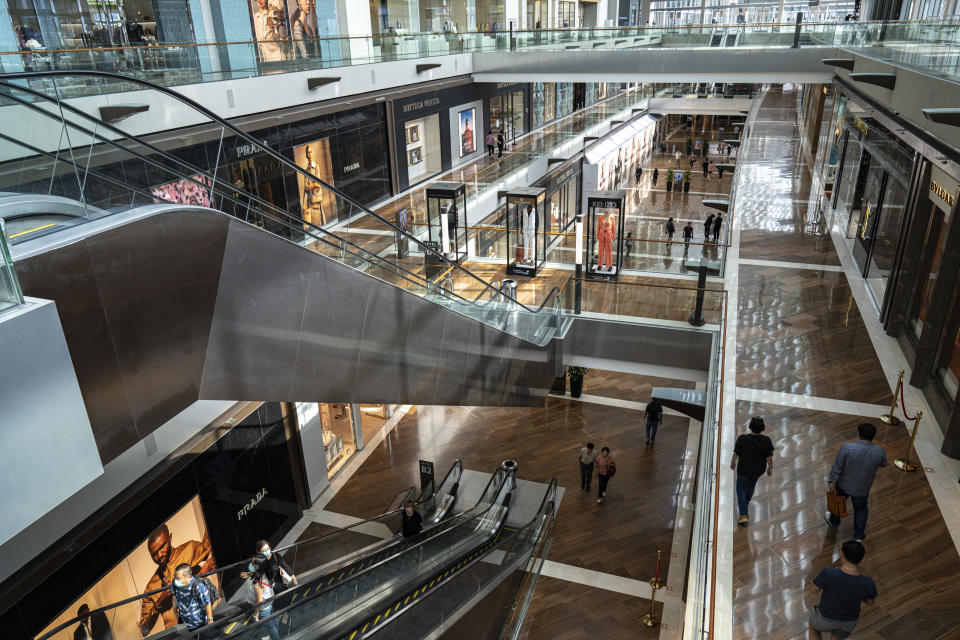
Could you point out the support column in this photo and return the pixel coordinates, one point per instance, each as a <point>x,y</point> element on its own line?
<point>353,18</point>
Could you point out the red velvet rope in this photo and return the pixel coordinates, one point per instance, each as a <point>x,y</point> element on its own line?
<point>904,405</point>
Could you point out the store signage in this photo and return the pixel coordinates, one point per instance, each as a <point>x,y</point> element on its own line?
<point>563,176</point>
<point>605,204</point>
<point>420,104</point>
<point>353,166</point>
<point>426,474</point>
<point>246,150</point>
<point>943,189</point>
<point>247,508</point>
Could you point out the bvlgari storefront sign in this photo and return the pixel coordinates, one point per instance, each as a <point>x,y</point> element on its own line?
<point>943,189</point>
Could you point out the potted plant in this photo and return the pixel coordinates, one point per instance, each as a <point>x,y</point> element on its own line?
<point>576,380</point>
<point>686,181</point>
<point>669,179</point>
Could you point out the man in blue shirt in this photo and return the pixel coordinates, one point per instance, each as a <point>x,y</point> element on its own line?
<point>844,589</point>
<point>852,474</point>
<point>193,598</point>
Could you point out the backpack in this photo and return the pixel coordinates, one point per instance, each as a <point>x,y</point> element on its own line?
<point>208,583</point>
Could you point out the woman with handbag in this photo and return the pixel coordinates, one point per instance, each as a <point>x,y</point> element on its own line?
<point>606,467</point>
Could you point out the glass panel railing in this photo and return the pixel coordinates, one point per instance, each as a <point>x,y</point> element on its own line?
<point>10,294</point>
<point>931,45</point>
<point>308,559</point>
<point>105,160</point>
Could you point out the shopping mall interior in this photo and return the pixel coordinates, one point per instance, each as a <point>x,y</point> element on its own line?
<point>473,319</point>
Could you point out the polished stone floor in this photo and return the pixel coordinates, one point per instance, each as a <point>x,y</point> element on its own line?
<point>801,340</point>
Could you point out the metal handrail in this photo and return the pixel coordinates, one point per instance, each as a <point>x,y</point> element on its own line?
<point>27,75</point>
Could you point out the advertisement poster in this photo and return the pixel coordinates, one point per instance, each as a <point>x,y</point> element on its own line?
<point>317,204</point>
<point>184,192</point>
<point>302,15</point>
<point>181,539</point>
<point>468,121</point>
<point>270,29</point>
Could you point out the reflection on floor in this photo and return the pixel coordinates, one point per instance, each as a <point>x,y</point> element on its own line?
<point>800,331</point>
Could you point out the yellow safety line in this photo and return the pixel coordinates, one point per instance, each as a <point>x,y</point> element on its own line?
<point>397,606</point>
<point>376,620</point>
<point>353,634</point>
<point>294,597</point>
<point>407,600</point>
<point>23,233</point>
<point>364,628</point>
<point>229,628</point>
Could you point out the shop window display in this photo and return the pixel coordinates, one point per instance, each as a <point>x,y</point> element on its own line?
<point>423,147</point>
<point>604,233</point>
<point>182,538</point>
<point>337,430</point>
<point>447,218</point>
<point>934,245</point>
<point>317,205</point>
<point>526,239</point>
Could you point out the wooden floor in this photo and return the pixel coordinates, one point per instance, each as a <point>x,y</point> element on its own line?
<point>801,332</point>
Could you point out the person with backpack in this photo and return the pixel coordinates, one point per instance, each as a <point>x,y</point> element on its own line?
<point>193,596</point>
<point>261,589</point>
<point>606,467</point>
<point>654,413</point>
<point>671,229</point>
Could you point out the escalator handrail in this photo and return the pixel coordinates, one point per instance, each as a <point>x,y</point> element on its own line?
<point>27,75</point>
<point>316,233</point>
<point>547,506</point>
<point>235,565</point>
<point>498,474</point>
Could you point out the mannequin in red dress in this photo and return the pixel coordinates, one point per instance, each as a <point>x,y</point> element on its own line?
<point>605,233</point>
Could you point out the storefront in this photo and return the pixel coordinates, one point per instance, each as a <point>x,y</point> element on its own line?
<point>562,203</point>
<point>871,198</point>
<point>207,503</point>
<point>445,128</point>
<point>331,435</point>
<point>507,111</point>
<point>610,161</point>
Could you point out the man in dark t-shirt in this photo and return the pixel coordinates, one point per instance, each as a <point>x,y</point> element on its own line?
<point>844,589</point>
<point>654,416</point>
<point>752,455</point>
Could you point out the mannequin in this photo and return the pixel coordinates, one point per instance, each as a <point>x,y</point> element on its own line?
<point>529,221</point>
<point>605,233</point>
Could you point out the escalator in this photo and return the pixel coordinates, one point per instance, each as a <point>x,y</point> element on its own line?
<point>446,600</point>
<point>324,560</point>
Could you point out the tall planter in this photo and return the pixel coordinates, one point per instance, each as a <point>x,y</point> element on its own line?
<point>576,386</point>
<point>669,185</point>
<point>686,187</point>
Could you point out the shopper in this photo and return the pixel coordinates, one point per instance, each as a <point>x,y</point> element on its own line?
<point>717,222</point>
<point>278,572</point>
<point>752,455</point>
<point>194,603</point>
<point>588,455</point>
<point>606,467</point>
<point>706,166</point>
<point>843,589</point>
<point>628,242</point>
<point>656,174</point>
<point>688,233</point>
<point>676,160</point>
<point>654,412</point>
<point>491,141</point>
<point>670,228</point>
<point>693,160</point>
<point>500,144</point>
<point>708,227</point>
<point>261,589</point>
<point>711,168</point>
<point>720,172</point>
<point>638,173</point>
<point>853,472</point>
<point>729,149</point>
<point>412,521</point>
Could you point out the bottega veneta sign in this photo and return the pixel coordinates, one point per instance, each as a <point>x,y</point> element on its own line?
<point>943,189</point>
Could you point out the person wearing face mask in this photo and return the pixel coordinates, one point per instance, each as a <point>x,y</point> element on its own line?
<point>277,571</point>
<point>411,520</point>
<point>261,589</point>
<point>194,603</point>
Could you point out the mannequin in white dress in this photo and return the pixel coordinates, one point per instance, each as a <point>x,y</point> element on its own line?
<point>529,234</point>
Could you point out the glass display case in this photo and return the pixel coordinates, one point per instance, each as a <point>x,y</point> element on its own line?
<point>447,219</point>
<point>604,234</point>
<point>526,230</point>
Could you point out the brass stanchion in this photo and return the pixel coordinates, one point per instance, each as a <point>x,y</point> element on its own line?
<point>649,619</point>
<point>904,463</point>
<point>890,418</point>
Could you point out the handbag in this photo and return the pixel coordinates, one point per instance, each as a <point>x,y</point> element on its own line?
<point>611,469</point>
<point>836,503</point>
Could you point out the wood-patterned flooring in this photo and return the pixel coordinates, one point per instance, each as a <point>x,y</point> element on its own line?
<point>800,331</point>
<point>910,554</point>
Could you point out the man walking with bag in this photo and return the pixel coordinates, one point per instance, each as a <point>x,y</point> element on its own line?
<point>853,472</point>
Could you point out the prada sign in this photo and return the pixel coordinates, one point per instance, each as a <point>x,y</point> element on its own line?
<point>943,189</point>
